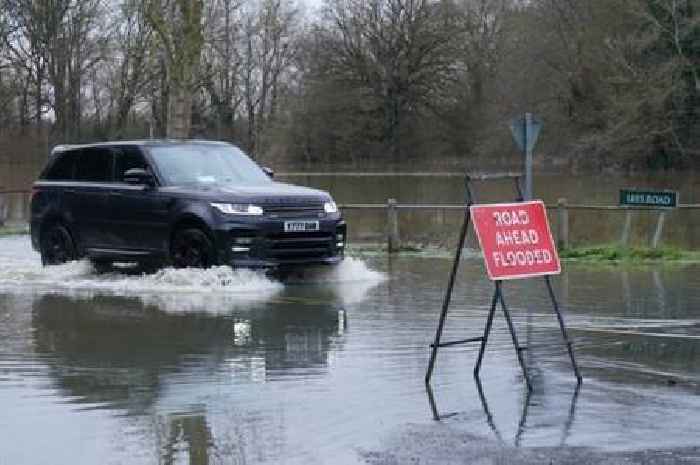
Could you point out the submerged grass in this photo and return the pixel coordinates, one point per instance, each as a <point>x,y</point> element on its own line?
<point>418,250</point>
<point>13,230</point>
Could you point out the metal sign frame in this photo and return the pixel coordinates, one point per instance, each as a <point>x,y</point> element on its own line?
<point>497,300</point>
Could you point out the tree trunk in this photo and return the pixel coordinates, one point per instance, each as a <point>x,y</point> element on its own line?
<point>23,109</point>
<point>38,102</point>
<point>180,112</point>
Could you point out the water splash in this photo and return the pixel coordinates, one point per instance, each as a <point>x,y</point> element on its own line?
<point>216,289</point>
<point>21,269</point>
<point>350,270</point>
<point>350,281</point>
<point>356,270</point>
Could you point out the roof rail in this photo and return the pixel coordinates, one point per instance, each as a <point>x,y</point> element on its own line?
<point>62,148</point>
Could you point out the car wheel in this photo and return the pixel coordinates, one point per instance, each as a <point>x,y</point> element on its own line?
<point>191,248</point>
<point>151,266</point>
<point>57,246</point>
<point>101,266</point>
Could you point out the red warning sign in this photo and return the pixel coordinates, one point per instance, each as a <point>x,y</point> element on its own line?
<point>515,239</point>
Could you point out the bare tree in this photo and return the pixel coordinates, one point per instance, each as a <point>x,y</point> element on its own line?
<point>654,70</point>
<point>222,62</point>
<point>179,28</point>
<point>268,48</point>
<point>402,51</point>
<point>131,43</point>
<point>367,80</point>
<point>25,46</point>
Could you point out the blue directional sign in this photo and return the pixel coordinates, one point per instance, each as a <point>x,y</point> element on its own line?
<point>525,135</point>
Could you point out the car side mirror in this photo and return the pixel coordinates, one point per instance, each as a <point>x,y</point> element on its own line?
<point>269,172</point>
<point>139,176</point>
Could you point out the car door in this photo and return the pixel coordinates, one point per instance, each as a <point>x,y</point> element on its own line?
<point>88,196</point>
<point>140,213</point>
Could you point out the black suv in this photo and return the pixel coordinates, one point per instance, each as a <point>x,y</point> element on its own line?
<point>179,203</point>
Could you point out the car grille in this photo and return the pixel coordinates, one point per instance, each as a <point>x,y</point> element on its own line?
<point>295,246</point>
<point>314,210</point>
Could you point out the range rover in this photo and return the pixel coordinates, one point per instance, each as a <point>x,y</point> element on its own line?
<point>178,203</point>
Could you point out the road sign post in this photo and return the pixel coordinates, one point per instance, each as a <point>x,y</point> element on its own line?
<point>528,156</point>
<point>661,200</point>
<point>526,130</point>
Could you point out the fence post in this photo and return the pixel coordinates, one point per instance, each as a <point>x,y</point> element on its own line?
<point>392,226</point>
<point>3,208</point>
<point>19,209</point>
<point>659,229</point>
<point>440,217</point>
<point>27,207</point>
<point>626,229</point>
<point>562,225</point>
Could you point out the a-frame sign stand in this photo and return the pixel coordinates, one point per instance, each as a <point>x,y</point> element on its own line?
<point>497,299</point>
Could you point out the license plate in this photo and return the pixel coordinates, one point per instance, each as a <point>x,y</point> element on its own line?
<point>300,226</point>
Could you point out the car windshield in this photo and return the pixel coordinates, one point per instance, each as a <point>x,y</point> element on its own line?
<point>206,164</point>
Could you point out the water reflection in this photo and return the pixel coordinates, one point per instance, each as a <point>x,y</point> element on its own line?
<point>530,399</point>
<point>184,435</point>
<point>116,351</point>
<point>293,378</point>
<point>110,352</point>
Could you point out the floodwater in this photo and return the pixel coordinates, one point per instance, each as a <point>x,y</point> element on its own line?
<point>232,367</point>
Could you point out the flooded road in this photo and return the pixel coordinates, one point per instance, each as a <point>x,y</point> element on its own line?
<point>222,366</point>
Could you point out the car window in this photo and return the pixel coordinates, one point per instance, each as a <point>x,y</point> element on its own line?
<point>63,168</point>
<point>94,165</point>
<point>196,163</point>
<point>128,158</point>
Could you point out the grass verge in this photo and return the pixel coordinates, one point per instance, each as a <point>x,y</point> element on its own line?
<point>616,253</point>
<point>606,253</point>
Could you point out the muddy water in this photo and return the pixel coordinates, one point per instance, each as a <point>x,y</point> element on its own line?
<point>222,366</point>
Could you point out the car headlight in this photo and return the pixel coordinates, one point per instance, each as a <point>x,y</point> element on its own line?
<point>238,208</point>
<point>330,207</point>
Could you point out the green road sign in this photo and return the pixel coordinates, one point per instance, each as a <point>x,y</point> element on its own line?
<point>657,199</point>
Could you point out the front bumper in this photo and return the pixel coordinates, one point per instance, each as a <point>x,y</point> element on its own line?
<point>266,245</point>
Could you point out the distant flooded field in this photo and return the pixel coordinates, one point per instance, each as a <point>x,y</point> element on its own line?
<point>439,227</point>
<point>222,366</point>
<point>682,228</point>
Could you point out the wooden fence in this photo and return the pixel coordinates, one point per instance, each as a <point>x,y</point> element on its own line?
<point>561,211</point>
<point>14,208</point>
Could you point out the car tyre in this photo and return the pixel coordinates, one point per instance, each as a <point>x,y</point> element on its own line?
<point>151,266</point>
<point>101,266</point>
<point>191,248</point>
<point>57,246</point>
